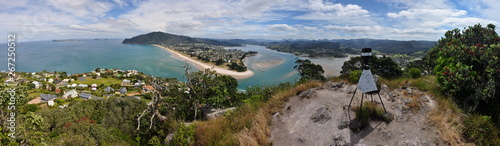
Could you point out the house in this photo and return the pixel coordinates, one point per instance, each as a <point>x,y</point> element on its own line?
<point>65,80</point>
<point>70,94</point>
<point>50,80</point>
<point>98,74</point>
<point>93,87</point>
<point>139,83</point>
<point>109,90</point>
<point>50,103</point>
<point>85,96</point>
<point>73,85</point>
<point>125,82</point>
<point>37,85</point>
<point>83,85</point>
<point>57,81</point>
<point>63,106</point>
<point>47,97</point>
<point>123,90</point>
<point>148,88</point>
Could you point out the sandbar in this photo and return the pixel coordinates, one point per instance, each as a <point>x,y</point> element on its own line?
<point>202,65</point>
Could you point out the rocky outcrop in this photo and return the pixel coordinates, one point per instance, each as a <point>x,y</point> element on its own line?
<point>321,115</point>
<point>214,113</point>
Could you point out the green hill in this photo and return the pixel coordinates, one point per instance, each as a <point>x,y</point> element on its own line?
<point>172,39</point>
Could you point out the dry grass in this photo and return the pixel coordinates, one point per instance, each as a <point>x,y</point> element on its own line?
<point>250,124</point>
<point>448,119</point>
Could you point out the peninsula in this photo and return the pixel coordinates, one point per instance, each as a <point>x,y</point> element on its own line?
<point>203,53</point>
<point>202,65</point>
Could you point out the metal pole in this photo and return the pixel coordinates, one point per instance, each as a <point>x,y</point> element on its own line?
<point>353,96</point>
<point>361,107</point>
<point>381,101</point>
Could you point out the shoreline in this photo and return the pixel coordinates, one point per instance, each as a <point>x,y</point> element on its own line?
<point>202,66</point>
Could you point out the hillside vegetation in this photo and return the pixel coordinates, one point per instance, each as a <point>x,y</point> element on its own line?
<point>161,38</point>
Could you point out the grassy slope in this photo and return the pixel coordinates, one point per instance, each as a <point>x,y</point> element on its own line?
<point>249,124</point>
<point>106,81</point>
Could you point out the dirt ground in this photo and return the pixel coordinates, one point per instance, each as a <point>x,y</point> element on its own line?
<point>298,123</point>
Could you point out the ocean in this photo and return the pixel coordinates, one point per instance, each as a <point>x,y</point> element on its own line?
<point>270,67</point>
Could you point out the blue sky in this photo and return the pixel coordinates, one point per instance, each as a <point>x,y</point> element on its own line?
<point>247,19</point>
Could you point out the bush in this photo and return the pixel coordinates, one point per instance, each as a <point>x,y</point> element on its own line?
<point>354,76</point>
<point>481,130</point>
<point>415,73</point>
<point>184,135</point>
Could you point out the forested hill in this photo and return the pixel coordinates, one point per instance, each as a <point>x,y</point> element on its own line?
<point>171,39</point>
<point>338,48</point>
<point>388,46</point>
<point>312,48</point>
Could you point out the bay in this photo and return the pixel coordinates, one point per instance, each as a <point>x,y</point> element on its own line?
<point>270,67</point>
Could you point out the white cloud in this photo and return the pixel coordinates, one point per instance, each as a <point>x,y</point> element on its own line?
<point>281,27</point>
<point>337,13</point>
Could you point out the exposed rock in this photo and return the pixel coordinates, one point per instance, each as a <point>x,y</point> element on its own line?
<point>337,84</point>
<point>351,89</point>
<point>338,140</point>
<point>214,113</point>
<point>169,138</point>
<point>322,115</point>
<point>301,140</point>
<point>306,94</point>
<point>385,134</point>
<point>376,78</point>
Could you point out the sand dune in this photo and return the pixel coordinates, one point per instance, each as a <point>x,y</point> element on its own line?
<point>202,66</point>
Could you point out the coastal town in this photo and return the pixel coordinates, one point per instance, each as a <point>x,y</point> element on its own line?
<point>58,89</point>
<point>230,58</point>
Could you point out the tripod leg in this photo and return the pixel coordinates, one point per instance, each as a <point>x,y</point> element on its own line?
<point>353,96</point>
<point>371,95</point>
<point>381,101</point>
<point>361,107</point>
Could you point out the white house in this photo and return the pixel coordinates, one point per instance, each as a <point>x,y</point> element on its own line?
<point>50,103</point>
<point>83,85</point>
<point>50,80</point>
<point>94,85</point>
<point>73,85</point>
<point>70,94</point>
<point>65,80</point>
<point>37,85</point>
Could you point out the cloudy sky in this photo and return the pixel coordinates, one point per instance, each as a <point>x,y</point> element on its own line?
<point>35,20</point>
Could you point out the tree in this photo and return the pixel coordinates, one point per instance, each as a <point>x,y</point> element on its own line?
<point>309,71</point>
<point>383,66</point>
<point>468,67</point>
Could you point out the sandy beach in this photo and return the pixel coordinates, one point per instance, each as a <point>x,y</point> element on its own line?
<point>202,66</point>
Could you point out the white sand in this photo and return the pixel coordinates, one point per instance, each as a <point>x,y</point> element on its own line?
<point>202,66</point>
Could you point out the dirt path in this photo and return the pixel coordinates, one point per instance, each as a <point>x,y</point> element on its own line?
<point>295,125</point>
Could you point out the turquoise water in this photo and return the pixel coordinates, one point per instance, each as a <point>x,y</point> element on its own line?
<point>270,67</point>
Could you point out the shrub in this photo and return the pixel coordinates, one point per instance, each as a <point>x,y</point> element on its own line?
<point>481,130</point>
<point>415,73</point>
<point>354,76</point>
<point>184,135</point>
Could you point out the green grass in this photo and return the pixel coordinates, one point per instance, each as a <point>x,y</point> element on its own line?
<point>34,94</point>
<point>105,81</point>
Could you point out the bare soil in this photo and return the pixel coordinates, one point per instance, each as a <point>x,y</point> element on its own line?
<point>298,124</point>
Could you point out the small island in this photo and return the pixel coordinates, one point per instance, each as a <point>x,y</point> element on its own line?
<point>203,53</point>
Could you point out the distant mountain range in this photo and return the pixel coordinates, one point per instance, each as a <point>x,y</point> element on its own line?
<point>300,46</point>
<point>162,38</point>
